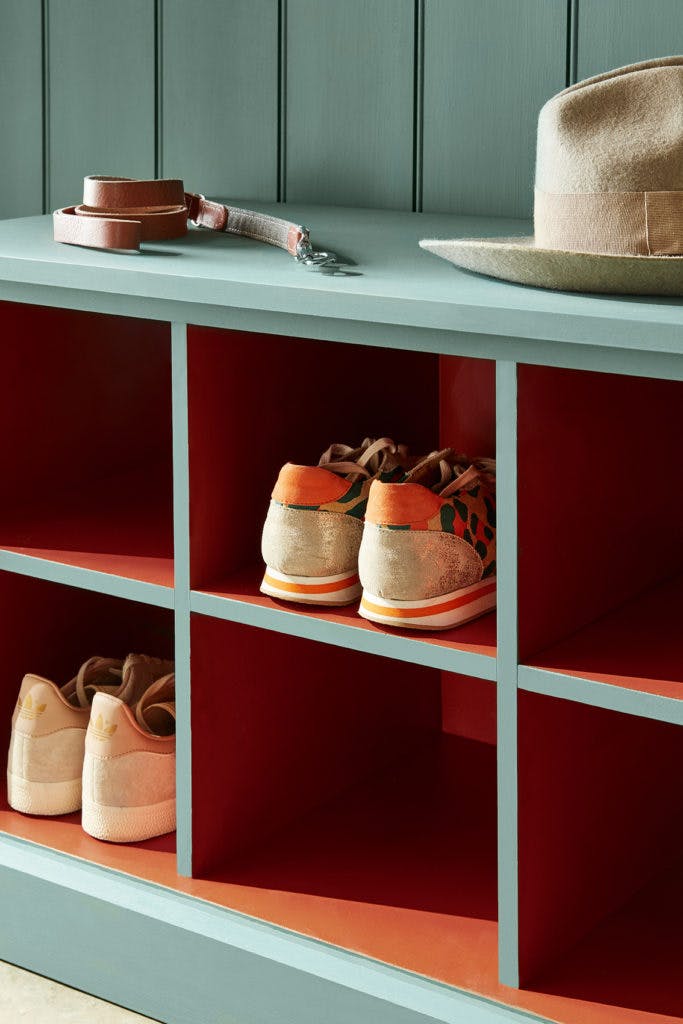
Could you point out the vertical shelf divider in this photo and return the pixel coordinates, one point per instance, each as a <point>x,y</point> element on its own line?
<point>507,658</point>
<point>181,540</point>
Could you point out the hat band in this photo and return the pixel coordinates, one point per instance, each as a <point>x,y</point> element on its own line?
<point>619,223</point>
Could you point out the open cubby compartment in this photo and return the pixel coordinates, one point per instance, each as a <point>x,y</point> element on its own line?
<point>347,796</point>
<point>600,861</point>
<point>600,533</point>
<point>85,409</point>
<point>257,401</point>
<point>51,629</point>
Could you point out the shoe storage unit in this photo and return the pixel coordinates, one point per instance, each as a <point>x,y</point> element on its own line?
<point>480,825</point>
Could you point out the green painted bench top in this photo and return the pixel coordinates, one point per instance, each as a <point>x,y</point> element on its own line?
<point>388,281</point>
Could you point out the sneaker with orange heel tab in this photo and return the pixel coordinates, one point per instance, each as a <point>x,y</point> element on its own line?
<point>427,556</point>
<point>314,525</point>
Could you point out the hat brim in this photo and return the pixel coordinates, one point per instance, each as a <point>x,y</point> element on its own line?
<point>521,261</point>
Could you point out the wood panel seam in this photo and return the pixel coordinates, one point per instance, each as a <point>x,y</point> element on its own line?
<point>45,64</point>
<point>418,104</point>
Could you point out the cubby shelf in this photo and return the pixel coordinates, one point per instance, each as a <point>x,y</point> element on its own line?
<point>106,529</point>
<point>100,573</point>
<point>629,660</point>
<point>373,825</point>
<point>470,649</point>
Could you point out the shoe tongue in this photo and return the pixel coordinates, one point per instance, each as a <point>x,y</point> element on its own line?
<point>155,711</point>
<point>139,672</point>
<point>95,675</point>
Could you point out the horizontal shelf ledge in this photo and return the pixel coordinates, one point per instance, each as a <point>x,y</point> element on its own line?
<point>87,579</point>
<point>628,660</point>
<point>600,694</point>
<point>434,651</point>
<point>245,948</point>
<point>392,281</point>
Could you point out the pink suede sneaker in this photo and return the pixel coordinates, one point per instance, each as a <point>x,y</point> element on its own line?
<point>129,766</point>
<point>45,762</point>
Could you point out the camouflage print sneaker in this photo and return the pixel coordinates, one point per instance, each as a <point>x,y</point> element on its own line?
<point>314,524</point>
<point>427,558</point>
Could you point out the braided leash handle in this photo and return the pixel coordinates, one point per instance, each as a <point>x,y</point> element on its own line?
<point>120,213</point>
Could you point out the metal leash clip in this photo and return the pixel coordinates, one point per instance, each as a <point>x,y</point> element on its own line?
<point>310,257</point>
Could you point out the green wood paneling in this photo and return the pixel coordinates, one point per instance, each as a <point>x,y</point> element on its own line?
<point>101,93</point>
<point>348,94</point>
<point>612,33</point>
<point>489,65</point>
<point>349,102</point>
<point>219,100</point>
<point>21,107</point>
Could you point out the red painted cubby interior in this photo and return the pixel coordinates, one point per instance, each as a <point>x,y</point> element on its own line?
<point>85,404</point>
<point>346,715</point>
<point>51,630</point>
<point>256,402</point>
<point>366,820</point>
<point>600,817</point>
<point>637,645</point>
<point>630,965</point>
<point>369,819</point>
<point>600,540</point>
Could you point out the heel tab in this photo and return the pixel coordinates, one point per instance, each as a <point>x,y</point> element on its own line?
<point>308,485</point>
<point>402,504</point>
<point>108,717</point>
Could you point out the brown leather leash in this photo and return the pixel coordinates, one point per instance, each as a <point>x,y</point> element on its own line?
<point>120,213</point>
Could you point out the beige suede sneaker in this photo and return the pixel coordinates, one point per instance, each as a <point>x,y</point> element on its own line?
<point>129,766</point>
<point>45,762</point>
<point>427,559</point>
<point>314,524</point>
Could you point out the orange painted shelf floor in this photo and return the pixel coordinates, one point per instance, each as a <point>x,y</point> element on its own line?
<point>403,869</point>
<point>153,859</point>
<point>121,526</point>
<point>478,637</point>
<point>637,646</point>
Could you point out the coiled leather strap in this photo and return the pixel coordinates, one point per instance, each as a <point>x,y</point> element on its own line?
<point>120,213</point>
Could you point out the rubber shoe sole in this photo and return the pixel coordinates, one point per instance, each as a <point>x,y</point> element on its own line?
<point>46,799</point>
<point>128,824</point>
<point>443,612</point>
<point>342,589</point>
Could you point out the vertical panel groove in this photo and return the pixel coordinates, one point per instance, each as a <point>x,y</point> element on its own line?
<point>45,47</point>
<point>158,89</point>
<point>282,102</point>
<point>572,41</point>
<point>418,111</point>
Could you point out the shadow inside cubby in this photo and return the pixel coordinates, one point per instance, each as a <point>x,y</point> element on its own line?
<point>86,400</point>
<point>354,799</point>
<point>50,629</point>
<point>600,851</point>
<point>632,960</point>
<point>259,401</point>
<point>600,541</point>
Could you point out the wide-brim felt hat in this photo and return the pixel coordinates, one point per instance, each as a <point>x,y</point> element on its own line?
<point>608,199</point>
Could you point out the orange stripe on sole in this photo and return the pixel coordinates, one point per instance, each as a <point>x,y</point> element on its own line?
<point>434,609</point>
<point>311,588</point>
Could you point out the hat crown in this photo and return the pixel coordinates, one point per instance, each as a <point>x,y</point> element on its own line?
<point>617,132</point>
